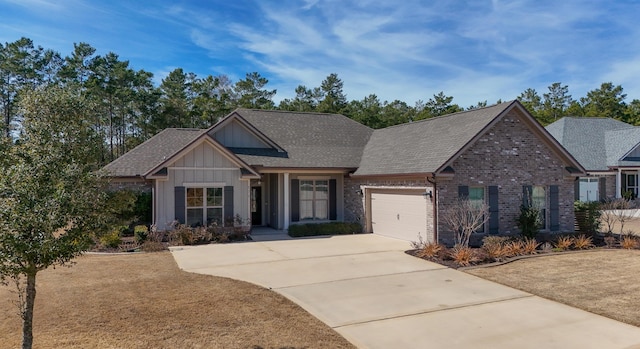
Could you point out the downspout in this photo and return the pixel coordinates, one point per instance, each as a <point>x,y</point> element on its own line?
<point>435,207</point>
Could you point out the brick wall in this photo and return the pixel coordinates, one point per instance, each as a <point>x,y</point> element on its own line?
<point>509,155</point>
<point>130,184</point>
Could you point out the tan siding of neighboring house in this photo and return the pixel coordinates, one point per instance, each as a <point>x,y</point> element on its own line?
<point>203,166</point>
<point>236,135</point>
<point>509,155</point>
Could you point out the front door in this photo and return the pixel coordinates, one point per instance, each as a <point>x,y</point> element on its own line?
<point>256,206</point>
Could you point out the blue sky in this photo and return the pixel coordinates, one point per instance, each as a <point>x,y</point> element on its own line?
<point>406,50</point>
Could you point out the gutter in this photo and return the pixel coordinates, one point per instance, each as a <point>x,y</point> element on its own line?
<point>435,207</point>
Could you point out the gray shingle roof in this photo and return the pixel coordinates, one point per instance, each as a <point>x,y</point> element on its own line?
<point>311,140</point>
<point>424,146</point>
<point>596,143</point>
<point>146,156</point>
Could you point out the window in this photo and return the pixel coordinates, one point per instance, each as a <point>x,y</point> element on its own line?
<point>204,206</point>
<point>632,184</point>
<point>539,200</point>
<point>476,198</point>
<point>314,199</point>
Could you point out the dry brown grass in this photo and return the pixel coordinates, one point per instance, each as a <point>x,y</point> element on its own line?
<point>603,282</point>
<point>145,301</point>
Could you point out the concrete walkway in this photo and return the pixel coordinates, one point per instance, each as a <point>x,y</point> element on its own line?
<point>376,296</point>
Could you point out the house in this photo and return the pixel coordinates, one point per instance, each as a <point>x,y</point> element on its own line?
<point>282,168</point>
<point>608,149</point>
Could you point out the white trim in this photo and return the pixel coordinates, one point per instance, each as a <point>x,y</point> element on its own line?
<point>287,201</point>
<point>154,193</point>
<point>306,178</point>
<point>392,187</point>
<point>205,168</point>
<point>204,185</point>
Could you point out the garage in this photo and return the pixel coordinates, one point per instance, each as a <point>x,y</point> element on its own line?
<point>400,214</point>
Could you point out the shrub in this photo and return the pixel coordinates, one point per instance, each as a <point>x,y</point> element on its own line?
<point>530,246</point>
<point>493,247</point>
<point>529,221</point>
<point>582,242</point>
<point>111,239</point>
<point>154,241</point>
<point>610,241</point>
<point>315,229</point>
<point>587,216</point>
<point>463,217</point>
<point>141,233</point>
<point>546,247</point>
<point>564,242</point>
<point>431,250</point>
<point>629,242</point>
<point>514,248</point>
<point>463,255</point>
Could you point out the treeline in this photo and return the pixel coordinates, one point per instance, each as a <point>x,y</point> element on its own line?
<point>126,108</point>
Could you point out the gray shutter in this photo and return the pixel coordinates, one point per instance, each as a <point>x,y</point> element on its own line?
<point>576,189</point>
<point>602,188</point>
<point>228,204</point>
<point>554,208</point>
<point>180,202</point>
<point>527,192</point>
<point>624,184</point>
<point>494,216</point>
<point>333,210</point>
<point>295,200</point>
<point>463,192</point>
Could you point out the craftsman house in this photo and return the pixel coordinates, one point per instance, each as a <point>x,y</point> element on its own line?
<point>608,149</point>
<point>281,168</point>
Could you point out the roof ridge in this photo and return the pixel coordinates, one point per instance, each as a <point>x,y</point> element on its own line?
<point>289,111</point>
<point>448,115</point>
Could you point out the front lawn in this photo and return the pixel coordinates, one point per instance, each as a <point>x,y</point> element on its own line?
<point>145,301</point>
<point>605,282</point>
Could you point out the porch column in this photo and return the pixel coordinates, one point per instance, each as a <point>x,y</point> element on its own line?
<point>287,202</point>
<point>619,183</point>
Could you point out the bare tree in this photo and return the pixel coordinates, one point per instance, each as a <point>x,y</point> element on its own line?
<point>464,217</point>
<point>623,213</point>
<point>608,214</point>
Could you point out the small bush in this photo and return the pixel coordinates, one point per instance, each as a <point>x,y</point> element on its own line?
<point>629,242</point>
<point>111,239</point>
<point>529,221</point>
<point>431,250</point>
<point>315,229</point>
<point>530,246</point>
<point>493,247</point>
<point>463,255</point>
<point>514,248</point>
<point>587,216</point>
<point>141,233</point>
<point>610,241</point>
<point>563,243</point>
<point>582,242</point>
<point>546,247</point>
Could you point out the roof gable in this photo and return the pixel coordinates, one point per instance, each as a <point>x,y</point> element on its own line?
<point>430,146</point>
<point>597,143</point>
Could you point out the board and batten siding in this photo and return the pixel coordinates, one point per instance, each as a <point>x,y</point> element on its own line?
<point>236,135</point>
<point>202,167</point>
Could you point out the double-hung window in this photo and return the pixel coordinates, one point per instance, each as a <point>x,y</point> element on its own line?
<point>539,201</point>
<point>476,198</point>
<point>314,199</point>
<point>204,206</point>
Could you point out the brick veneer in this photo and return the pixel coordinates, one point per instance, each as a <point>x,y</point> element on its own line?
<point>509,155</point>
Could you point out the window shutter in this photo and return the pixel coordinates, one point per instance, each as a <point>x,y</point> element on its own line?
<point>624,183</point>
<point>602,188</point>
<point>463,192</point>
<point>576,190</point>
<point>494,216</point>
<point>180,203</point>
<point>228,204</point>
<point>295,200</point>
<point>554,208</point>
<point>333,214</point>
<point>527,192</point>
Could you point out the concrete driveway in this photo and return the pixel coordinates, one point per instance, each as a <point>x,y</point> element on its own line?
<point>376,296</point>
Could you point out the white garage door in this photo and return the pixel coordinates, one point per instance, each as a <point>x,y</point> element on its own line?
<point>399,215</point>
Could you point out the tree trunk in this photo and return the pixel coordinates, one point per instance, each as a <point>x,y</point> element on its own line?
<point>27,314</point>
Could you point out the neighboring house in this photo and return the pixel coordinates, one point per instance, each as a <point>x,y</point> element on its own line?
<point>281,168</point>
<point>608,149</point>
